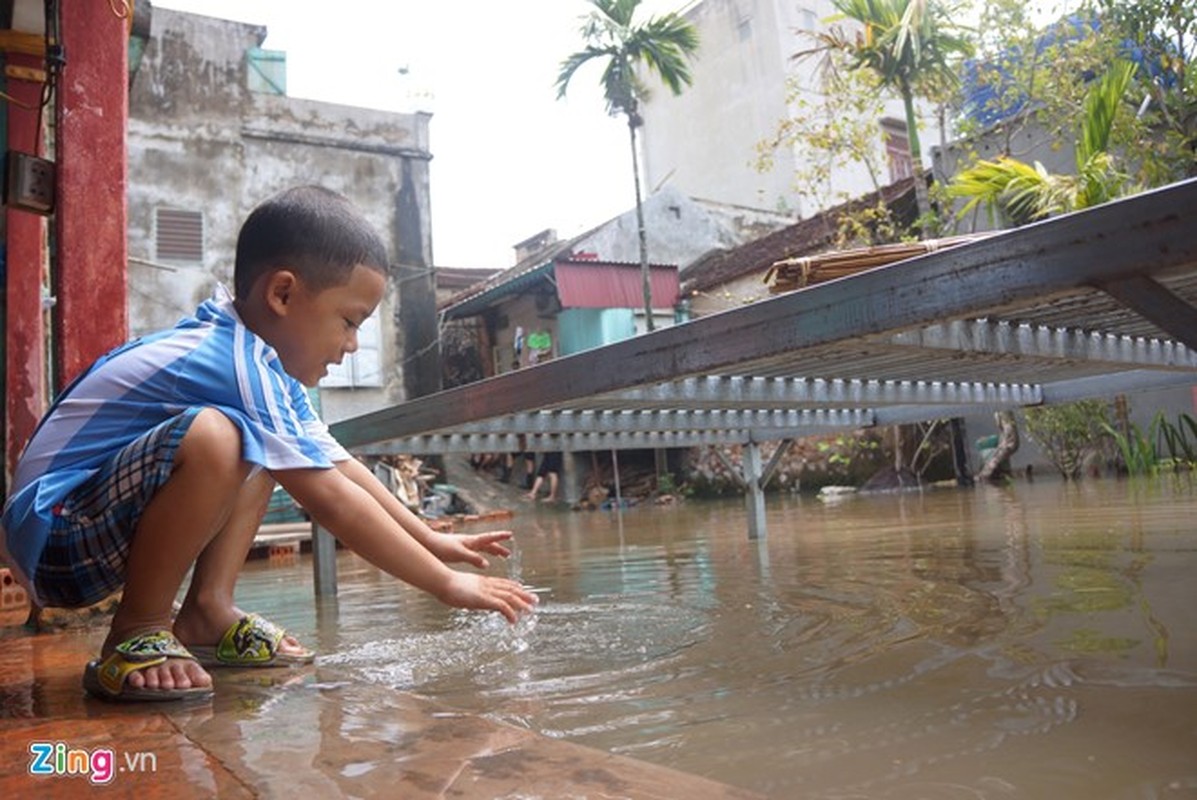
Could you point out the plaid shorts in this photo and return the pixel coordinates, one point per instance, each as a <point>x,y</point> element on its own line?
<point>84,559</point>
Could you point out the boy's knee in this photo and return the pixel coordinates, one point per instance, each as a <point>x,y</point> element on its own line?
<point>215,439</point>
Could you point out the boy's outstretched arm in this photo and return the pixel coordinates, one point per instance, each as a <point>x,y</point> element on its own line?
<point>447,547</point>
<point>354,516</point>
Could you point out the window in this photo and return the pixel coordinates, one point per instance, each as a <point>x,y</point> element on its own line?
<point>179,236</point>
<point>363,368</point>
<point>897,149</point>
<point>266,71</point>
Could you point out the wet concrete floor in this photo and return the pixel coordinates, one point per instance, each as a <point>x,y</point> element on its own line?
<point>303,732</point>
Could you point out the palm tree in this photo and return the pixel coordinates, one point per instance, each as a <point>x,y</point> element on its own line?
<point>1028,192</point>
<point>908,45</point>
<point>662,45</point>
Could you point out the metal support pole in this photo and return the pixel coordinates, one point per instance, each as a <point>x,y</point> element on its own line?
<point>615,472</point>
<point>754,496</point>
<point>324,562</point>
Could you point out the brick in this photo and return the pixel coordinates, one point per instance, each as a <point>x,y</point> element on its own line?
<point>12,594</point>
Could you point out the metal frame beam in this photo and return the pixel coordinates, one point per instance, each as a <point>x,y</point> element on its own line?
<point>642,440</point>
<point>1000,338</point>
<point>1016,269</point>
<point>592,422</point>
<point>1153,301</point>
<point>781,393</point>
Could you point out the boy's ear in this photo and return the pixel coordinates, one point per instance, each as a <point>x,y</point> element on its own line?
<point>280,290</point>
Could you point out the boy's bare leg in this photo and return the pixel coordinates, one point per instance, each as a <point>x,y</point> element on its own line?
<point>208,610</point>
<point>175,527</point>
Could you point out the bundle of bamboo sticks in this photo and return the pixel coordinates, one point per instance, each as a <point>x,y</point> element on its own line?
<point>795,273</point>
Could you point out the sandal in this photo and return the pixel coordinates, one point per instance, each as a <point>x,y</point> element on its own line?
<point>105,678</point>
<point>251,642</point>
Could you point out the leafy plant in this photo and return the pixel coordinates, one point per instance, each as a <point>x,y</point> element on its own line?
<point>1137,449</point>
<point>908,46</point>
<point>1143,452</point>
<point>1070,434</point>
<point>1029,192</point>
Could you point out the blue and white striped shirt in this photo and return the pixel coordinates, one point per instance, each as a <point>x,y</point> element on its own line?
<point>210,360</point>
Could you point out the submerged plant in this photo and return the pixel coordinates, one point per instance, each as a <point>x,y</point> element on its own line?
<point>1143,452</point>
<point>1071,434</point>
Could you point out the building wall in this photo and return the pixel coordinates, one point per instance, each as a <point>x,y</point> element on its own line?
<point>705,140</point>
<point>679,230</point>
<point>531,313</point>
<point>200,140</point>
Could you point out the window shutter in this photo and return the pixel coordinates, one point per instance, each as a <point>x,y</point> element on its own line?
<point>179,235</point>
<point>266,71</point>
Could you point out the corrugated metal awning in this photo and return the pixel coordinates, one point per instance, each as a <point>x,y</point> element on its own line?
<point>604,284</point>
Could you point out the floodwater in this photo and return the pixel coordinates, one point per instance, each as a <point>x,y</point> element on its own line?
<point>1037,641</point>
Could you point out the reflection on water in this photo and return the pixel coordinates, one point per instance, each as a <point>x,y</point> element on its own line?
<point>1037,641</point>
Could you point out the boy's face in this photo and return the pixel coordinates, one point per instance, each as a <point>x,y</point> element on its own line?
<point>318,328</point>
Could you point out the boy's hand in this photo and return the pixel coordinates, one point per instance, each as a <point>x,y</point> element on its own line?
<point>455,548</point>
<point>484,593</point>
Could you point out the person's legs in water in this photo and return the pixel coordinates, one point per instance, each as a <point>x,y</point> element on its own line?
<point>551,497</point>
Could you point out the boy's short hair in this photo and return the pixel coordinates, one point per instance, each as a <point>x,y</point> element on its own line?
<point>314,232</point>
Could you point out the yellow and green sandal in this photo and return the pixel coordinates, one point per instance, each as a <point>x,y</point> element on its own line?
<point>250,642</point>
<point>106,678</point>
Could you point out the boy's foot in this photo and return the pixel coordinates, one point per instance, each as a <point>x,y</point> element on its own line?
<point>254,642</point>
<point>234,638</point>
<point>148,666</point>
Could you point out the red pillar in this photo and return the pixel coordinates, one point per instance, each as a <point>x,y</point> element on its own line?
<point>24,335</point>
<point>92,109</point>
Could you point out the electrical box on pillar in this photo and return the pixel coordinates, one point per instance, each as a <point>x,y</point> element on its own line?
<point>28,182</point>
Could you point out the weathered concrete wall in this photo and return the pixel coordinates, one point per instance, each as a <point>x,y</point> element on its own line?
<point>678,230</point>
<point>200,140</point>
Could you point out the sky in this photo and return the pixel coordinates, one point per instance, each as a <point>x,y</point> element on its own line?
<point>509,159</point>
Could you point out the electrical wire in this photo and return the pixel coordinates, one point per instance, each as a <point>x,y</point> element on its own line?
<point>55,60</point>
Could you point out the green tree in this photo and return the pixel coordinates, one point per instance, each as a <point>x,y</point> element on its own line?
<point>1044,75</point>
<point>1165,34</point>
<point>1028,192</point>
<point>909,45</point>
<point>1071,435</point>
<point>662,45</point>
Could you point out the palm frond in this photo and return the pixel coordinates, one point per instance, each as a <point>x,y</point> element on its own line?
<point>662,45</point>
<point>572,63</point>
<point>1101,105</point>
<point>1020,190</point>
<point>905,41</point>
